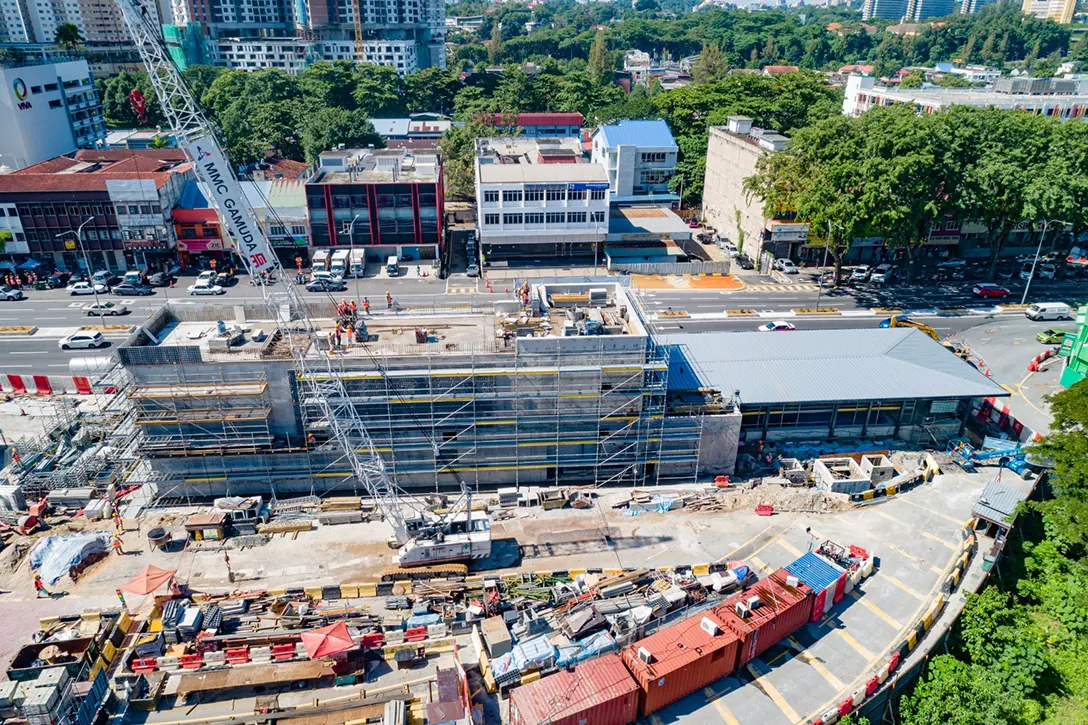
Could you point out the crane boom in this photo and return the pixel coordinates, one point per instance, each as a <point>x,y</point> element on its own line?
<point>318,375</point>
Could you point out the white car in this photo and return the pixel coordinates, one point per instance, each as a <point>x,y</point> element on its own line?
<point>207,276</point>
<point>80,340</point>
<point>786,266</point>
<point>326,277</point>
<point>776,326</point>
<point>85,288</point>
<point>861,273</point>
<point>881,274</point>
<point>108,309</point>
<point>1047,271</point>
<point>204,288</point>
<point>730,248</point>
<point>10,293</point>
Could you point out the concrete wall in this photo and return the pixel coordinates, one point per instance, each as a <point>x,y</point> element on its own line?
<point>729,160</point>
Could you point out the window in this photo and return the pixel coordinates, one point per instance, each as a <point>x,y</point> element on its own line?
<point>145,208</point>
<point>536,218</point>
<point>597,217</point>
<point>92,234</point>
<point>557,194</point>
<point>133,209</point>
<point>55,104</point>
<point>597,195</point>
<point>35,89</point>
<point>156,209</point>
<point>576,217</point>
<point>211,232</point>
<point>556,217</point>
<point>188,233</point>
<point>50,86</point>
<point>652,177</point>
<point>491,220</point>
<point>2,211</point>
<point>655,157</point>
<point>491,196</point>
<point>509,195</point>
<point>576,195</point>
<point>511,218</point>
<point>534,195</point>
<point>20,237</point>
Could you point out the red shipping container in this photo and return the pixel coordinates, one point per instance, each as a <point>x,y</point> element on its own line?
<point>782,610</point>
<point>685,658</point>
<point>601,692</point>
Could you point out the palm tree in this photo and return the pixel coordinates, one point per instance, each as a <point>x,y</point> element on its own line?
<point>68,36</point>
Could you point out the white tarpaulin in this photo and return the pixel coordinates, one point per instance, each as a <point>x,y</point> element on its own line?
<point>54,556</point>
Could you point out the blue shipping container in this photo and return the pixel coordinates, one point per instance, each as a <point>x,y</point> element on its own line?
<point>815,570</point>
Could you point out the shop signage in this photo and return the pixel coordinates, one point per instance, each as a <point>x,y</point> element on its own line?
<point>588,186</point>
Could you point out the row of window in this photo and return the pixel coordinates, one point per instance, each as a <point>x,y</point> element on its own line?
<point>510,196</point>
<point>653,157</point>
<point>94,235</point>
<point>85,210</point>
<point>552,217</point>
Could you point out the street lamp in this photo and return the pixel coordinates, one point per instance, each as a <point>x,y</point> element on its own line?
<point>827,242</point>
<point>351,252</point>
<point>86,260</point>
<point>1038,250</point>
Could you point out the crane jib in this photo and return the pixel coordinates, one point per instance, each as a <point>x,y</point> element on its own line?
<point>213,169</point>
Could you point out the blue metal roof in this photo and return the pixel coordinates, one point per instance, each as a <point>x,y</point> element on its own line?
<point>655,134</point>
<point>816,571</point>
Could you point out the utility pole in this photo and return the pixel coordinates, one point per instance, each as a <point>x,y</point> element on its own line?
<point>827,242</point>
<point>1042,237</point>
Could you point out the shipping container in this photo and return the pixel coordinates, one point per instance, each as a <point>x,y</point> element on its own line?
<point>601,692</point>
<point>679,660</point>
<point>773,610</point>
<point>821,576</point>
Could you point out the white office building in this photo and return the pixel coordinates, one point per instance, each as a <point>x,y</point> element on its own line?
<point>538,199</point>
<point>46,111</point>
<point>640,158</point>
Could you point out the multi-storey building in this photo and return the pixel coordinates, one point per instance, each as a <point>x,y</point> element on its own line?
<point>732,155</point>
<point>536,198</point>
<point>886,9</point>
<point>386,201</point>
<point>47,110</point>
<point>124,196</point>
<point>549,124</point>
<point>919,10</point>
<point>640,158</point>
<point>1060,11</point>
<point>1059,98</point>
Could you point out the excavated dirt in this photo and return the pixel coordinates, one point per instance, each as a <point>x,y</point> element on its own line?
<point>782,498</point>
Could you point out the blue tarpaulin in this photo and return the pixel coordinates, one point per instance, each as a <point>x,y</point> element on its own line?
<point>533,654</point>
<point>597,644</point>
<point>424,620</point>
<point>54,556</point>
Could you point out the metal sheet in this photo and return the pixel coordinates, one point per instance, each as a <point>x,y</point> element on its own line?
<point>601,692</point>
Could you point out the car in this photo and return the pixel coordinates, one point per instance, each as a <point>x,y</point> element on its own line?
<point>693,223</point>
<point>861,273</point>
<point>952,262</point>
<point>473,270</point>
<point>1052,336</point>
<point>730,248</point>
<point>1027,271</point>
<point>786,266</point>
<point>128,288</point>
<point>1006,270</point>
<point>1048,271</point>
<point>326,277</point>
<point>883,274</point>
<point>205,288</point>
<point>58,279</point>
<point>744,262</point>
<point>82,340</point>
<point>988,289</point>
<point>321,284</point>
<point>105,309</point>
<point>207,275</point>
<point>159,279</point>
<point>776,326</point>
<point>705,238</point>
<point>105,278</point>
<point>10,293</point>
<point>85,288</point>
<point>224,278</point>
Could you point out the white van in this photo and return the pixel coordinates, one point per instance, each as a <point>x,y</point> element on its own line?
<point>392,266</point>
<point>320,261</point>
<point>1049,311</point>
<point>357,263</point>
<point>339,263</point>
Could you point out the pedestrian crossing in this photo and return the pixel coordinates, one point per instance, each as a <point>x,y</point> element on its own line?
<point>461,291</point>
<point>800,287</point>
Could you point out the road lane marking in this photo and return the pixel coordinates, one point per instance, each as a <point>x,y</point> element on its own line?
<point>756,668</point>
<point>789,547</point>
<point>863,601</point>
<point>858,646</point>
<point>759,564</point>
<point>814,662</point>
<point>938,514</point>
<point>716,700</point>
<point>904,587</point>
<point>939,540</point>
<point>749,541</point>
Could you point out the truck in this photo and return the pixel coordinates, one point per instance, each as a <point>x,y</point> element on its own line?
<point>357,263</point>
<point>339,264</point>
<point>320,261</point>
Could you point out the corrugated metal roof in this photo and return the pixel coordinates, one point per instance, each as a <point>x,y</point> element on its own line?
<point>678,645</point>
<point>552,698</point>
<point>391,126</point>
<point>816,571</point>
<point>998,503</point>
<point>805,366</point>
<point>650,134</point>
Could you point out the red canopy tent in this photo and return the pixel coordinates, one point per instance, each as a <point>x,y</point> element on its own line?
<point>149,580</point>
<point>328,641</point>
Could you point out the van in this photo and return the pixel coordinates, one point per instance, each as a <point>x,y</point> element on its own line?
<point>320,261</point>
<point>392,266</point>
<point>1049,311</point>
<point>339,264</point>
<point>357,264</point>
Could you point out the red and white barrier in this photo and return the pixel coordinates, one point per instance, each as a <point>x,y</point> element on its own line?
<point>45,384</point>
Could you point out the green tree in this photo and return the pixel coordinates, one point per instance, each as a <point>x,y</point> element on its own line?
<point>711,66</point>
<point>494,47</point>
<point>598,68</point>
<point>68,36</point>
<point>325,128</point>
<point>329,84</point>
<point>432,89</point>
<point>379,91</point>
<point>200,77</point>
<point>12,57</point>
<point>957,693</point>
<point>913,80</point>
<point>459,157</point>
<point>5,237</point>
<point>116,106</point>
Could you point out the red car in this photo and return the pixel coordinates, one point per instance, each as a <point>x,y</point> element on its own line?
<point>987,289</point>
<point>693,223</point>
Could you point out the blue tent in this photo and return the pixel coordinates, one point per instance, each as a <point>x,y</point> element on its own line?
<point>31,265</point>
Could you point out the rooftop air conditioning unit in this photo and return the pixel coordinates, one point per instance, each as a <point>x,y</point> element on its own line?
<point>753,602</point>
<point>742,611</point>
<point>645,656</point>
<point>792,581</point>
<point>709,627</point>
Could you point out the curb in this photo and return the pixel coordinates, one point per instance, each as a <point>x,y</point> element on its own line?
<point>811,312</point>
<point>17,330</point>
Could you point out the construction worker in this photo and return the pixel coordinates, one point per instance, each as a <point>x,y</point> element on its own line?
<point>366,306</point>
<point>354,308</point>
<point>39,587</point>
<point>342,309</point>
<point>350,335</point>
<point>388,300</point>
<point>310,440</point>
<point>117,545</point>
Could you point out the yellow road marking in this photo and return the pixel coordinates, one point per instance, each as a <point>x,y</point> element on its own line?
<point>761,533</point>
<point>758,563</point>
<point>716,701</point>
<point>928,510</point>
<point>876,610</point>
<point>903,586</point>
<point>776,697</point>
<point>815,663</point>
<point>881,514</point>
<point>789,547</point>
<point>939,540</point>
<point>919,560</point>
<point>858,646</point>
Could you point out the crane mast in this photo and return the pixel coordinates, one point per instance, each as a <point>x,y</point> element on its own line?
<point>318,376</point>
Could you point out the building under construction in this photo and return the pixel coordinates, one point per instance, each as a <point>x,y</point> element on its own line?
<point>563,385</point>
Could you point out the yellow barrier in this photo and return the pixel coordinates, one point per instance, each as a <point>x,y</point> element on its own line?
<point>891,489</point>
<point>368,589</point>
<point>349,591</point>
<point>530,677</point>
<point>700,570</point>
<point>313,592</point>
<point>867,495</point>
<point>108,651</point>
<point>277,592</point>
<point>912,639</point>
<point>576,572</point>
<point>124,622</point>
